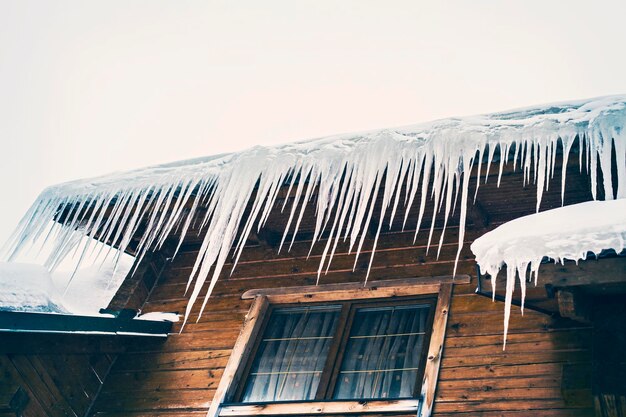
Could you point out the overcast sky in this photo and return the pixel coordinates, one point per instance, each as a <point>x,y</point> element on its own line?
<point>90,87</point>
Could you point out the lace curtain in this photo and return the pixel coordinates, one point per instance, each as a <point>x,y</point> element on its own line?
<point>292,354</point>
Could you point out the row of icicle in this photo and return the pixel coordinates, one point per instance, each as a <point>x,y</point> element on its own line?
<point>347,175</point>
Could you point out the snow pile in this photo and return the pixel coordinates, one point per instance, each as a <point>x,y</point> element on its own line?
<point>171,317</point>
<point>32,288</point>
<point>348,172</point>
<point>91,287</point>
<point>569,232</point>
<point>28,287</point>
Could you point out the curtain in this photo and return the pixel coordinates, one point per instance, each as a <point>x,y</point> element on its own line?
<point>291,356</point>
<point>383,353</point>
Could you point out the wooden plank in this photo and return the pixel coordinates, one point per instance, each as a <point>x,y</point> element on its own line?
<point>601,271</point>
<point>565,339</point>
<point>23,343</point>
<point>530,394</point>
<point>40,383</point>
<point>116,401</point>
<point>34,407</point>
<point>519,358</point>
<point>53,405</point>
<point>403,268</point>
<point>491,323</point>
<point>241,350</point>
<point>382,258</point>
<point>164,380</point>
<point>216,340</point>
<point>74,378</point>
<point>501,371</point>
<point>502,406</point>
<point>394,239</point>
<point>162,361</point>
<point>323,407</point>
<point>152,413</point>
<point>355,294</point>
<point>338,289</point>
<point>555,412</point>
<point>521,381</point>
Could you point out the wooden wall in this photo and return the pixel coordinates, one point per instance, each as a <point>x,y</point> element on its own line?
<point>52,375</point>
<point>543,372</point>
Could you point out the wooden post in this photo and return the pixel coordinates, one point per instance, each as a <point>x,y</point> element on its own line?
<point>435,350</point>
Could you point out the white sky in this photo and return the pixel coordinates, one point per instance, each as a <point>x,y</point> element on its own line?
<point>92,87</point>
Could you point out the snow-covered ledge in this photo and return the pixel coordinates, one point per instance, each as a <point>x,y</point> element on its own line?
<point>569,232</point>
<point>31,302</point>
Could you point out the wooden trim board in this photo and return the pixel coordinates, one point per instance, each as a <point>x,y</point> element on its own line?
<point>239,354</point>
<point>320,407</point>
<point>387,288</point>
<point>435,350</point>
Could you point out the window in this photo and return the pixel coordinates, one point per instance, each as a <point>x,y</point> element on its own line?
<point>338,349</point>
<point>348,351</point>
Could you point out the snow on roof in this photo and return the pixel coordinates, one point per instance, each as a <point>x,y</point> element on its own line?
<point>28,287</point>
<point>224,184</point>
<point>31,287</point>
<point>569,232</point>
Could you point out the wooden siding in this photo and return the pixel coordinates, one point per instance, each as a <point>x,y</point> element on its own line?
<point>50,384</point>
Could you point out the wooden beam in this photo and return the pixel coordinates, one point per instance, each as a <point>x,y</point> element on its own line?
<point>409,286</point>
<point>435,351</point>
<point>573,305</point>
<point>321,407</point>
<point>21,322</point>
<point>590,272</point>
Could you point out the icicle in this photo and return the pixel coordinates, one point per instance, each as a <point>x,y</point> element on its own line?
<point>150,205</point>
<point>504,152</point>
<point>467,168</point>
<point>540,171</point>
<point>567,146</point>
<point>480,164</point>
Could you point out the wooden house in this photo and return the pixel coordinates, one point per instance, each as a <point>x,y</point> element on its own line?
<point>341,279</point>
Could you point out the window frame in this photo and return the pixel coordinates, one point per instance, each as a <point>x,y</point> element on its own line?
<point>264,299</point>
<point>345,320</point>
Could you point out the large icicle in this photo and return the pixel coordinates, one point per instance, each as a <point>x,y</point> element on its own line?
<point>347,172</point>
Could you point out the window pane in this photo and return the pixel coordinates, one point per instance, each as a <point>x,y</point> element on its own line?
<point>291,356</point>
<point>383,353</point>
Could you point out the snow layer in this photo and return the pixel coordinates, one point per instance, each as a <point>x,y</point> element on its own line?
<point>91,287</point>
<point>569,232</point>
<point>32,288</point>
<point>28,287</point>
<point>155,316</point>
<point>348,172</point>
